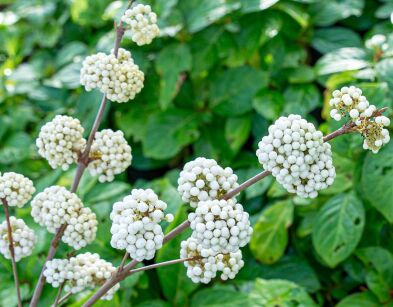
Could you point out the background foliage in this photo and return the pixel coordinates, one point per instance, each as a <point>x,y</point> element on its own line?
<point>222,71</point>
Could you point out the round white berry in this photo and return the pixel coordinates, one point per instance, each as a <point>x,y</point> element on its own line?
<point>294,152</point>
<point>16,189</point>
<point>119,78</point>
<point>135,224</point>
<point>220,225</point>
<point>142,22</point>
<point>203,179</point>
<point>110,155</point>
<point>61,141</point>
<point>23,238</point>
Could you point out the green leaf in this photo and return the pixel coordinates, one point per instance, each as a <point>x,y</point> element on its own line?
<point>279,293</point>
<point>67,77</point>
<point>343,59</point>
<point>326,13</point>
<point>330,39</point>
<point>384,70</point>
<point>338,228</point>
<point>218,297</point>
<point>379,270</point>
<point>269,103</point>
<point>377,180</point>
<point>232,91</point>
<point>301,99</point>
<point>168,132</point>
<point>249,6</point>
<point>175,284</point>
<point>199,14</point>
<point>237,130</point>
<point>169,71</point>
<point>270,237</point>
<point>364,299</point>
<point>88,12</point>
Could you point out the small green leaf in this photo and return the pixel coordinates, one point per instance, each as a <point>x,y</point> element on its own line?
<point>169,71</point>
<point>379,270</point>
<point>218,297</point>
<point>237,130</point>
<point>377,180</point>
<point>331,39</point>
<point>270,237</point>
<point>338,228</point>
<point>363,299</point>
<point>279,293</point>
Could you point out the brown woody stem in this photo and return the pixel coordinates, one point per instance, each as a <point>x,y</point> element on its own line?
<point>12,251</point>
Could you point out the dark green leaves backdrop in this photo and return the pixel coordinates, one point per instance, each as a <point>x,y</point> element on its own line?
<point>222,71</point>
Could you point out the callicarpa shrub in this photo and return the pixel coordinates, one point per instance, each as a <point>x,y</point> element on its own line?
<point>294,152</point>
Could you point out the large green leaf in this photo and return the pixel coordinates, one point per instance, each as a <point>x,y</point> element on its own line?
<point>270,237</point>
<point>168,132</point>
<point>279,293</point>
<point>201,13</point>
<point>218,297</point>
<point>364,299</point>
<point>377,180</point>
<point>232,90</point>
<point>170,70</point>
<point>343,59</point>
<point>331,39</point>
<point>301,99</point>
<point>338,228</point>
<point>379,271</point>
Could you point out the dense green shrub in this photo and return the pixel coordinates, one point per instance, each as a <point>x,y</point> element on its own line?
<point>219,75</point>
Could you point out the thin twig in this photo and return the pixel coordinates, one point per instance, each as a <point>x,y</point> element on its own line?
<point>64,298</point>
<point>160,264</point>
<point>127,268</point>
<point>123,261</point>
<point>57,299</point>
<point>12,251</point>
<point>82,164</point>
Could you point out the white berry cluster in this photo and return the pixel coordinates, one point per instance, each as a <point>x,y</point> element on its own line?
<point>60,141</point>
<point>294,152</point>
<point>23,237</point>
<point>110,155</point>
<point>230,264</point>
<point>221,226</point>
<point>119,78</point>
<point>16,189</point>
<point>56,206</point>
<point>350,101</point>
<point>79,273</point>
<point>203,179</point>
<point>135,224</point>
<point>204,265</point>
<point>81,230</point>
<point>378,42</point>
<point>143,24</point>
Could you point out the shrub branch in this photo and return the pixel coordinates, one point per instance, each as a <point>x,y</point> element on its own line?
<point>82,164</point>
<point>12,251</point>
<point>127,269</point>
